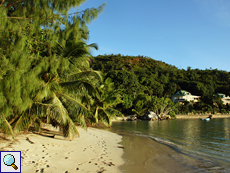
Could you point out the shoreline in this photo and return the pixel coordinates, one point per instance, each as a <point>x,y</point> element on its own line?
<point>182,116</point>
<point>143,154</point>
<point>94,151</point>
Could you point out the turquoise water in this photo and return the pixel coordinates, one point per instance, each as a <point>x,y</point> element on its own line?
<point>206,140</point>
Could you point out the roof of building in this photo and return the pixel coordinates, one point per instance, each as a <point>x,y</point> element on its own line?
<point>220,95</point>
<point>181,93</point>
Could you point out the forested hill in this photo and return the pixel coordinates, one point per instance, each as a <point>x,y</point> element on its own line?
<point>138,74</point>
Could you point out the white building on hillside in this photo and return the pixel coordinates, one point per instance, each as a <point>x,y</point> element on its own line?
<point>183,95</point>
<point>224,98</point>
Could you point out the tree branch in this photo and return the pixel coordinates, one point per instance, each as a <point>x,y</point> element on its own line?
<point>12,3</point>
<point>18,17</point>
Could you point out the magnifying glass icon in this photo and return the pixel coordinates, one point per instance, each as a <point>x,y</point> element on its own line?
<point>9,160</point>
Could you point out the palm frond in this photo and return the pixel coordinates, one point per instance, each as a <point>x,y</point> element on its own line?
<point>58,115</point>
<point>93,45</point>
<point>37,124</point>
<point>45,92</point>
<point>112,101</point>
<point>71,51</point>
<point>22,123</point>
<point>104,117</point>
<point>113,112</point>
<point>76,109</point>
<point>80,85</point>
<point>5,126</point>
<point>96,114</point>
<point>57,111</point>
<point>69,129</point>
<point>87,74</point>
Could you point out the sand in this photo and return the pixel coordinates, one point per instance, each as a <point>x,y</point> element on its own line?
<point>198,116</point>
<point>183,116</point>
<point>144,155</point>
<point>94,151</point>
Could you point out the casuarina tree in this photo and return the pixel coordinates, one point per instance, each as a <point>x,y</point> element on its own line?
<point>44,64</point>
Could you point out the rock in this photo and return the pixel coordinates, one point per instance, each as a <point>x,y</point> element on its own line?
<point>131,117</point>
<point>150,116</point>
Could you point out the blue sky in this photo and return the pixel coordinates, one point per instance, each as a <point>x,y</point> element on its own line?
<point>182,33</point>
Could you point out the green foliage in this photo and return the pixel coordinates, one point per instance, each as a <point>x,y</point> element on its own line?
<point>172,114</point>
<point>138,74</point>
<point>105,102</point>
<point>44,65</point>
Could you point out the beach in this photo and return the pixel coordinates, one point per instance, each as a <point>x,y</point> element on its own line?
<point>94,151</point>
<point>171,146</point>
<point>198,116</point>
<point>145,155</point>
<point>98,151</point>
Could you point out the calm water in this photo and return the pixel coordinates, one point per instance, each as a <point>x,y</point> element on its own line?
<point>208,140</point>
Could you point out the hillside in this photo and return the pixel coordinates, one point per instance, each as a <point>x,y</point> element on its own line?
<point>148,72</point>
<point>138,74</point>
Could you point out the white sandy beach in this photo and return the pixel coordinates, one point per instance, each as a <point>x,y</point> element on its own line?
<point>94,151</point>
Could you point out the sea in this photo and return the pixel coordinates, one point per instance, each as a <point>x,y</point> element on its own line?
<point>206,141</point>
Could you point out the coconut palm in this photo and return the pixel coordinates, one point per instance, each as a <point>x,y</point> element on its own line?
<point>59,102</point>
<point>141,104</point>
<point>47,75</point>
<point>104,103</point>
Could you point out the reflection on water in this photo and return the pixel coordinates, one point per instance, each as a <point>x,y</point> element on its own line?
<point>200,138</point>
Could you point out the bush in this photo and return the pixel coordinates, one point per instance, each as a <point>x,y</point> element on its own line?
<point>172,114</point>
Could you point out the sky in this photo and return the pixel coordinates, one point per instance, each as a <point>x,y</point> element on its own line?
<point>183,33</point>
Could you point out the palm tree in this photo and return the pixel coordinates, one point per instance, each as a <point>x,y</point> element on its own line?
<point>59,102</point>
<point>104,103</point>
<point>141,104</point>
<point>47,75</point>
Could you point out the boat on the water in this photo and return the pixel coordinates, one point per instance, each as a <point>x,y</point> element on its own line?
<point>205,119</point>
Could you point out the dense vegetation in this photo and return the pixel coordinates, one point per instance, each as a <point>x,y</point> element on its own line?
<point>45,75</point>
<point>142,78</point>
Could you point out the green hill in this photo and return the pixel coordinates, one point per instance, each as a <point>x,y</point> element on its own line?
<point>138,74</point>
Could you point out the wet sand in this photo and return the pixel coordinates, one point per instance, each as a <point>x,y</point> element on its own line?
<point>142,154</point>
